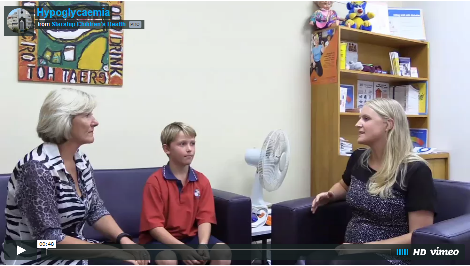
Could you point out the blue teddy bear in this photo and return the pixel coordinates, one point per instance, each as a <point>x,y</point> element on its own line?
<point>357,17</point>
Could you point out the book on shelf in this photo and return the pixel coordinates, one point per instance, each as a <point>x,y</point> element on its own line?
<point>422,87</point>
<point>381,90</point>
<point>365,92</point>
<point>394,63</point>
<point>405,66</point>
<point>419,136</point>
<point>343,99</point>
<point>345,148</point>
<point>414,72</point>
<point>349,95</point>
<point>408,97</point>
<point>342,55</point>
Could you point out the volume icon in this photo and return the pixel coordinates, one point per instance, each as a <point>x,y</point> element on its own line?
<point>402,252</point>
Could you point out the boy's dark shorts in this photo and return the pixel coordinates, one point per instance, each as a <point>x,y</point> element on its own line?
<point>192,241</point>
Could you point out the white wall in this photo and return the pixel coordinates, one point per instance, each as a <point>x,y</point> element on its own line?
<point>232,70</point>
<point>448,89</point>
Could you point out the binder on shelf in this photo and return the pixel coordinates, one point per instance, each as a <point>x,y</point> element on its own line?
<point>422,87</point>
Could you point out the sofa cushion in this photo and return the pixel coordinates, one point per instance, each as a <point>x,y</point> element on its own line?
<point>121,190</point>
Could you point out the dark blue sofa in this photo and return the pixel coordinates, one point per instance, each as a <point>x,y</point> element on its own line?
<point>121,191</point>
<point>328,224</point>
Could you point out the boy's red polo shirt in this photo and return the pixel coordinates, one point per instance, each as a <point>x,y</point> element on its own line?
<point>180,210</point>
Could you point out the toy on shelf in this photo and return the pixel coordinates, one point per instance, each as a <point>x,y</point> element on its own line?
<point>324,17</point>
<point>354,66</point>
<point>357,17</point>
<point>372,69</point>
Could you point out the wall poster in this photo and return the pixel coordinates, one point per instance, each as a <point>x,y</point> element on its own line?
<point>83,55</point>
<point>324,57</point>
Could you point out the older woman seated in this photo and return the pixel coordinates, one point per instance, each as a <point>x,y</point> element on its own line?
<point>52,191</point>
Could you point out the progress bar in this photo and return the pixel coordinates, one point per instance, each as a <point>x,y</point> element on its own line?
<point>275,249</point>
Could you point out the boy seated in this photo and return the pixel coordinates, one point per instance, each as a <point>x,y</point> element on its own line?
<point>178,206</point>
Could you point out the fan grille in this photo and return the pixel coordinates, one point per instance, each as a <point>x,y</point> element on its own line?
<point>274,161</point>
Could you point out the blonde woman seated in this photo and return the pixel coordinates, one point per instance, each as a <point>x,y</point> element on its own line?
<point>52,191</point>
<point>389,189</point>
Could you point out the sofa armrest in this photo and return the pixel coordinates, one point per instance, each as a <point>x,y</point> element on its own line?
<point>233,214</point>
<point>294,223</point>
<point>451,231</point>
<point>291,221</point>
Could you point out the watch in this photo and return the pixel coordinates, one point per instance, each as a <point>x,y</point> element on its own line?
<point>121,235</point>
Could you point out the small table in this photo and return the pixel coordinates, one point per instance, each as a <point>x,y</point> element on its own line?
<point>262,233</point>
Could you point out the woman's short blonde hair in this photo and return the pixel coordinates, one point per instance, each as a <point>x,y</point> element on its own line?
<point>58,110</point>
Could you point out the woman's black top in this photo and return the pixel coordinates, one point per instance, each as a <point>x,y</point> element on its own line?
<point>374,218</point>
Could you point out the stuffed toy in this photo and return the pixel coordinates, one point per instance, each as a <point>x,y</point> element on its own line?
<point>357,17</point>
<point>372,69</point>
<point>354,66</point>
<point>324,17</point>
<point>368,68</point>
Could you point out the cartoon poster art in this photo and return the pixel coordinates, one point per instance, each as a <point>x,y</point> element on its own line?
<point>323,57</point>
<point>82,55</point>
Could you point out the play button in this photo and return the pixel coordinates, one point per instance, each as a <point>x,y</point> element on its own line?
<point>19,250</point>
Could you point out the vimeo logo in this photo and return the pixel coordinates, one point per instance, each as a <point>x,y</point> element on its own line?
<point>402,251</point>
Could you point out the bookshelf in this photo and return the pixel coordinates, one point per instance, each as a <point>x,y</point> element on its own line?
<point>329,124</point>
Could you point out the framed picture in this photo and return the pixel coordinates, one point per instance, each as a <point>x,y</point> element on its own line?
<point>80,54</point>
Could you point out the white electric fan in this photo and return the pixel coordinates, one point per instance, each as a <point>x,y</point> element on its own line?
<point>271,162</point>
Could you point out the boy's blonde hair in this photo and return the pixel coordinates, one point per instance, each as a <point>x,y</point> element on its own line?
<point>170,132</point>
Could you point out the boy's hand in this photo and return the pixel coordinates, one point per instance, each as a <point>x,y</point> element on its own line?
<point>139,252</point>
<point>203,251</point>
<point>190,256</point>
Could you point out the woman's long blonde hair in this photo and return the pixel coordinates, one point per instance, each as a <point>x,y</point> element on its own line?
<point>398,150</point>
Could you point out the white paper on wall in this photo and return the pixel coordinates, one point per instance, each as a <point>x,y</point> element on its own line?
<point>380,22</point>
